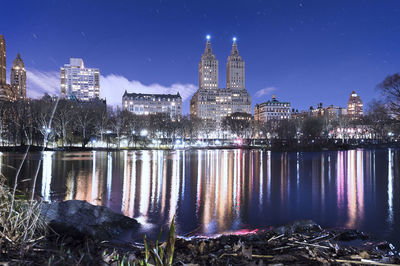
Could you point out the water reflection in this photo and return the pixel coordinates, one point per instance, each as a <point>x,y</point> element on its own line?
<point>390,186</point>
<point>47,174</point>
<point>1,163</point>
<point>216,191</point>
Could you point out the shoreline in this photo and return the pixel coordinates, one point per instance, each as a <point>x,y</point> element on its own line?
<point>79,233</point>
<point>301,242</point>
<point>273,148</point>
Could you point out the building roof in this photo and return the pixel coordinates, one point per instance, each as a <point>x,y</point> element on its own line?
<point>137,95</point>
<point>18,62</point>
<point>274,101</point>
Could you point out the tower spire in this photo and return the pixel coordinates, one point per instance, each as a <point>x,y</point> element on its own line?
<point>234,51</point>
<point>208,49</point>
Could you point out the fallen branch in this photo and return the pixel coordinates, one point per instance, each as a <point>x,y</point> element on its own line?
<point>366,262</point>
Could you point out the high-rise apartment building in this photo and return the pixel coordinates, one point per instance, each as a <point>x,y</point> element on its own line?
<point>80,82</point>
<point>235,69</point>
<point>146,104</point>
<point>2,60</point>
<point>272,110</point>
<point>208,69</point>
<point>213,103</point>
<point>6,93</point>
<point>18,78</point>
<point>354,106</point>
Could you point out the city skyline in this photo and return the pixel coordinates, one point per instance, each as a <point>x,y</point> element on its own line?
<point>291,50</point>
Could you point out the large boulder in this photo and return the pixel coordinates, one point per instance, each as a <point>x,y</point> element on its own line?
<point>80,219</point>
<point>299,226</point>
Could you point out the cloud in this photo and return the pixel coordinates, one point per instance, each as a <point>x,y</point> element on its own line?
<point>41,82</point>
<point>265,91</point>
<point>112,87</point>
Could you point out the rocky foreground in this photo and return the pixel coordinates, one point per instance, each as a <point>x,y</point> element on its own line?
<point>81,234</point>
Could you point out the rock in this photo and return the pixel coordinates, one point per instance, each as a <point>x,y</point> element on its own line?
<point>301,226</point>
<point>351,234</point>
<point>79,219</point>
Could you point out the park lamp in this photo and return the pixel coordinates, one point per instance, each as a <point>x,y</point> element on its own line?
<point>143,133</point>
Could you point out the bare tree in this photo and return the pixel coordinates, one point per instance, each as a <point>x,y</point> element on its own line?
<point>390,88</point>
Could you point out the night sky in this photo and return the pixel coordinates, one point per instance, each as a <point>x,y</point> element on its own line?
<point>305,52</point>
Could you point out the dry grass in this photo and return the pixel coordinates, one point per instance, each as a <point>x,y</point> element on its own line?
<point>21,225</point>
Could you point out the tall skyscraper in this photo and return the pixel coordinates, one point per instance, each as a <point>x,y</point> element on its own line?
<point>235,69</point>
<point>354,106</point>
<point>18,78</point>
<point>213,103</point>
<point>2,60</point>
<point>208,68</point>
<point>6,93</point>
<point>80,82</point>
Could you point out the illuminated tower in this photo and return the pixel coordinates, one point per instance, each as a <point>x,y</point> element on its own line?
<point>235,69</point>
<point>2,60</point>
<point>6,93</point>
<point>213,103</point>
<point>18,78</point>
<point>354,106</point>
<point>208,68</point>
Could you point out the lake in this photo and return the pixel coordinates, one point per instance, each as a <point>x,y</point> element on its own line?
<point>221,191</point>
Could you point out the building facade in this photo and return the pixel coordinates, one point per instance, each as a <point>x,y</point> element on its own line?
<point>80,82</point>
<point>18,78</point>
<point>213,103</point>
<point>354,106</point>
<point>6,93</point>
<point>272,110</point>
<point>146,104</point>
<point>2,60</point>
<point>334,112</point>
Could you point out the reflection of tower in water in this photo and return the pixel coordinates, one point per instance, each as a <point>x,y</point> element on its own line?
<point>89,184</point>
<point>355,188</point>
<point>390,187</point>
<point>1,164</point>
<point>109,178</point>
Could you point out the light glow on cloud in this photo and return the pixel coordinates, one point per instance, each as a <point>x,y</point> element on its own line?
<point>112,86</point>
<point>41,82</point>
<point>265,91</point>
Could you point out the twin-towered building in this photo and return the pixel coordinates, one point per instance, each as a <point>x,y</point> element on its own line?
<point>212,102</point>
<point>17,87</point>
<point>209,102</point>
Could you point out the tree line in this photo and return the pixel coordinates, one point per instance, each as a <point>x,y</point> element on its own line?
<point>68,123</point>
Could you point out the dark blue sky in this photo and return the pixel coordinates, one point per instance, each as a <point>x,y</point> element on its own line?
<point>309,51</point>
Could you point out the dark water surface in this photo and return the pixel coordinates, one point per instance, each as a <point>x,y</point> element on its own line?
<point>219,191</point>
